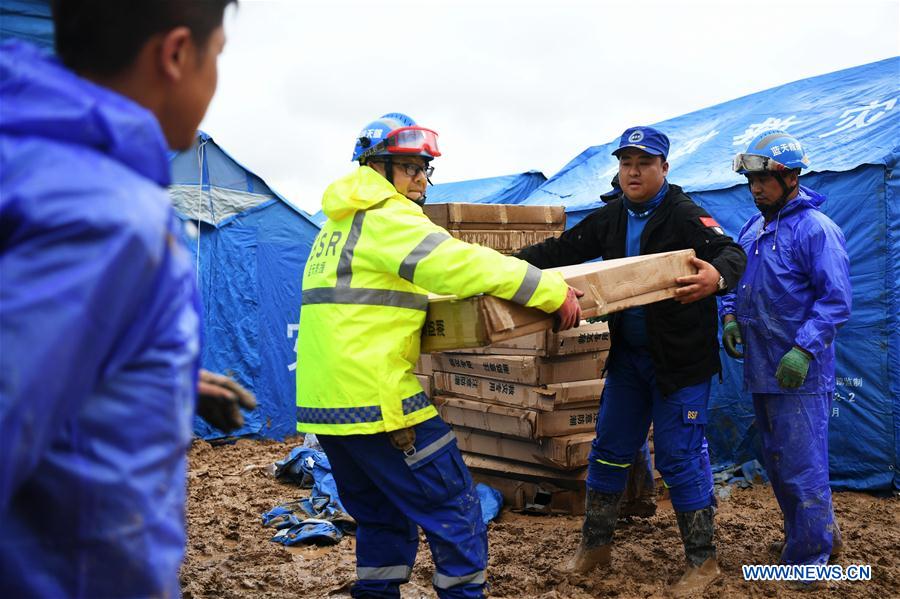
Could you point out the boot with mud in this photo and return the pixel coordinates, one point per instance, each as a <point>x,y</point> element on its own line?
<point>640,490</point>
<point>837,544</point>
<point>697,532</point>
<point>600,513</point>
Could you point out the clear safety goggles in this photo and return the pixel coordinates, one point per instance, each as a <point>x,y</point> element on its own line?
<point>413,140</point>
<point>755,163</point>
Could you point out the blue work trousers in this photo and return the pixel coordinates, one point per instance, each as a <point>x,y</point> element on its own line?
<point>631,401</point>
<point>389,493</point>
<point>794,433</point>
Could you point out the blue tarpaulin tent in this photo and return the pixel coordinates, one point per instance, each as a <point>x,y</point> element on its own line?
<point>849,122</point>
<point>250,246</point>
<point>506,189</point>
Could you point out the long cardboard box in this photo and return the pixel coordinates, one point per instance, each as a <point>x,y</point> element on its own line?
<point>588,337</point>
<point>496,216</point>
<point>515,422</point>
<point>565,479</point>
<point>609,286</point>
<point>544,398</point>
<point>567,452</point>
<point>530,370</point>
<point>506,242</point>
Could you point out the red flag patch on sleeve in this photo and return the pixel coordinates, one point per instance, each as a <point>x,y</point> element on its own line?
<point>711,223</point>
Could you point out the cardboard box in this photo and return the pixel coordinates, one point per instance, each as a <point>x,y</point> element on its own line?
<point>609,286</point>
<point>564,479</point>
<point>424,364</point>
<point>587,337</point>
<point>507,242</point>
<point>514,422</point>
<point>497,217</point>
<point>530,370</point>
<point>427,385</point>
<point>544,398</point>
<point>566,453</point>
<point>534,497</point>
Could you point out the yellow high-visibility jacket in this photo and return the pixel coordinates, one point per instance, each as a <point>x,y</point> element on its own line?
<point>365,288</point>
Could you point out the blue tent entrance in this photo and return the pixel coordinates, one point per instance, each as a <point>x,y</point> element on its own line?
<point>849,122</point>
<point>250,246</point>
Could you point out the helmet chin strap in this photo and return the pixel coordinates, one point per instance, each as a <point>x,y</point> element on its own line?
<point>782,201</point>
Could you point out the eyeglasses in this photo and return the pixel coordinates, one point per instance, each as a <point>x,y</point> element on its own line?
<point>413,170</point>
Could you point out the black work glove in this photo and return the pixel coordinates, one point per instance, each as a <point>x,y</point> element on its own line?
<point>220,399</point>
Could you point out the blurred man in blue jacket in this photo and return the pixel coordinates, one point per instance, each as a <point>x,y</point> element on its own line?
<point>785,312</point>
<point>98,305</point>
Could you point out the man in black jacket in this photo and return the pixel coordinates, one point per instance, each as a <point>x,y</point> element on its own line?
<point>664,355</point>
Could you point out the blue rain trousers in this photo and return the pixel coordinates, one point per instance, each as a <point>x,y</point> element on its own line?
<point>631,400</point>
<point>794,433</point>
<point>390,494</point>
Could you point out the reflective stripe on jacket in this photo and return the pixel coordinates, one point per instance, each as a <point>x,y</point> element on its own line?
<point>365,287</point>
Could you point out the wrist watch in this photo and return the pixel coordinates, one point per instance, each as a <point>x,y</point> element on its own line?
<point>722,285</point>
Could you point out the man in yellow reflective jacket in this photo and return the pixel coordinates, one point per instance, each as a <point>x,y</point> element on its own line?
<point>365,288</point>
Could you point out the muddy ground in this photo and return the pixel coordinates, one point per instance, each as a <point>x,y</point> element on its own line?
<point>229,553</point>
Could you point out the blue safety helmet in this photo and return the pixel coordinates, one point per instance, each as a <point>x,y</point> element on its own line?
<point>772,150</point>
<point>395,134</point>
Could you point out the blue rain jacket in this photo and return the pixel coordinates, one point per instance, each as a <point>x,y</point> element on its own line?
<point>98,341</point>
<point>795,291</point>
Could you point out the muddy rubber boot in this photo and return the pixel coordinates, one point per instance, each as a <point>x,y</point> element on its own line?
<point>837,541</point>
<point>600,513</point>
<point>837,544</point>
<point>697,532</point>
<point>640,490</point>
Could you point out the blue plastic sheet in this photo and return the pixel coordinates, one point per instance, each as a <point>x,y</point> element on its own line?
<point>491,501</point>
<point>319,518</point>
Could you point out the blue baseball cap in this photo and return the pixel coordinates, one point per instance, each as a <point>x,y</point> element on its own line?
<point>646,139</point>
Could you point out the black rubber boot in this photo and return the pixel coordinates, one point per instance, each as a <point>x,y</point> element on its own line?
<point>697,532</point>
<point>600,513</point>
<point>837,544</point>
<point>640,490</point>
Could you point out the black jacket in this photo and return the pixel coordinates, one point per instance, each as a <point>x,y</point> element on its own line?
<point>683,339</point>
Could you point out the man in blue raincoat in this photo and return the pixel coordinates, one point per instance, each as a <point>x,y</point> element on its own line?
<point>98,304</point>
<point>785,312</point>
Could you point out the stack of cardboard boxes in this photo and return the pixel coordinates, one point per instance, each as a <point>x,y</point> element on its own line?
<point>522,399</point>
<point>506,228</point>
<point>524,412</point>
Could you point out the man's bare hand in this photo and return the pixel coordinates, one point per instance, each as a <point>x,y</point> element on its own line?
<point>569,314</point>
<point>220,399</point>
<point>696,287</point>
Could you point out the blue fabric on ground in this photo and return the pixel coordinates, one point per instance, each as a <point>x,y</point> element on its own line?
<point>491,501</point>
<point>319,518</point>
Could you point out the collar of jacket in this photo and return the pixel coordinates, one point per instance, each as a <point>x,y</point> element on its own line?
<point>674,196</point>
<point>645,209</point>
<point>807,199</point>
<point>360,190</point>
